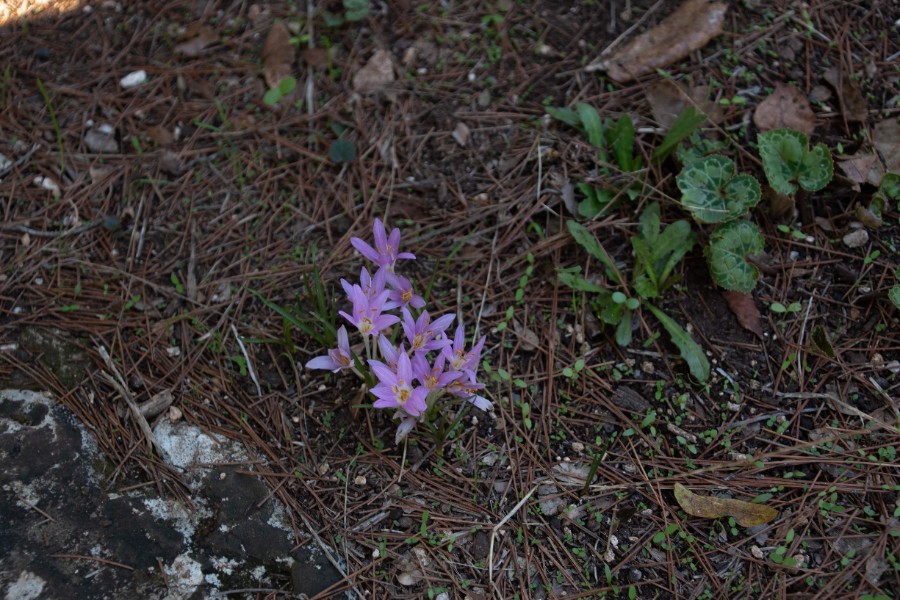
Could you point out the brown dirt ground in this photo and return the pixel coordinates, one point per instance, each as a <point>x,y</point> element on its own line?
<point>154,250</point>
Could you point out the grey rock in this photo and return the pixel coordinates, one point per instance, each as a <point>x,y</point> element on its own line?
<point>64,534</point>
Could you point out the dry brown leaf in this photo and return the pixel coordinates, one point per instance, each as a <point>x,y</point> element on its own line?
<point>198,40</point>
<point>376,74</point>
<point>886,138</point>
<point>853,104</point>
<point>159,135</point>
<point>668,99</point>
<point>744,308</point>
<point>780,205</point>
<point>317,58</point>
<point>786,107</point>
<point>862,168</point>
<point>746,514</point>
<point>278,55</point>
<point>689,28</point>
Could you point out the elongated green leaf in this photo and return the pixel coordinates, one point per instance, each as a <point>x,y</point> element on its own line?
<point>566,115</point>
<point>675,242</point>
<point>690,350</point>
<point>685,125</point>
<point>590,243</point>
<point>593,126</point>
<point>573,279</point>
<point>622,140</point>
<point>714,193</point>
<point>729,247</point>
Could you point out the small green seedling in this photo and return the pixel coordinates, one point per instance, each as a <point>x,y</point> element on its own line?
<point>283,89</point>
<point>657,252</point>
<point>614,141</point>
<point>888,193</point>
<point>789,162</point>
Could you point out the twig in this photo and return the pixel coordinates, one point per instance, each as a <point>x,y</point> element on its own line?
<point>118,382</point>
<point>105,561</point>
<point>250,370</point>
<point>497,527</point>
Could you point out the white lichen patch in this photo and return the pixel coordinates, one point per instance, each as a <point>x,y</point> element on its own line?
<point>27,587</point>
<point>188,447</point>
<point>184,521</point>
<point>184,575</point>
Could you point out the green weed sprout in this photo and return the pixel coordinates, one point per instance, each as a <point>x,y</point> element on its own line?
<point>713,192</point>
<point>277,93</point>
<point>613,140</point>
<point>789,162</point>
<point>657,251</point>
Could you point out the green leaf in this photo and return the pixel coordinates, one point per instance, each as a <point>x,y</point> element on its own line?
<point>697,147</point>
<point>713,193</point>
<point>787,159</point>
<point>621,137</point>
<point>729,246</point>
<point>572,278</point>
<point>888,190</point>
<point>623,330</point>
<point>566,115</point>
<point>356,10</point>
<point>342,151</point>
<point>593,126</point>
<point>287,85</point>
<point>272,97</point>
<point>590,243</point>
<point>894,295</point>
<point>650,223</point>
<point>596,201</point>
<point>686,124</point>
<point>690,350</point>
<point>821,342</point>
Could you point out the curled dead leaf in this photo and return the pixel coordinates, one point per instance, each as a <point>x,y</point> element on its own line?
<point>862,168</point>
<point>745,514</point>
<point>786,107</point>
<point>689,28</point>
<point>744,308</point>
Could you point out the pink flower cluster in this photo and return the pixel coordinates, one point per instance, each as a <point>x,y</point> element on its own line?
<point>427,364</point>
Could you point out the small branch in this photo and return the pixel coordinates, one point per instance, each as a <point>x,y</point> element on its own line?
<point>497,527</point>
<point>118,383</point>
<point>250,370</point>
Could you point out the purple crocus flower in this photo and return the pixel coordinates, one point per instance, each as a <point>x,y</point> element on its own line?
<point>396,390</point>
<point>338,358</point>
<point>371,286</point>
<point>384,254</point>
<point>389,352</point>
<point>423,334</point>
<point>466,389</point>
<point>433,376</point>
<point>367,315</point>
<point>402,293</point>
<point>456,353</point>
